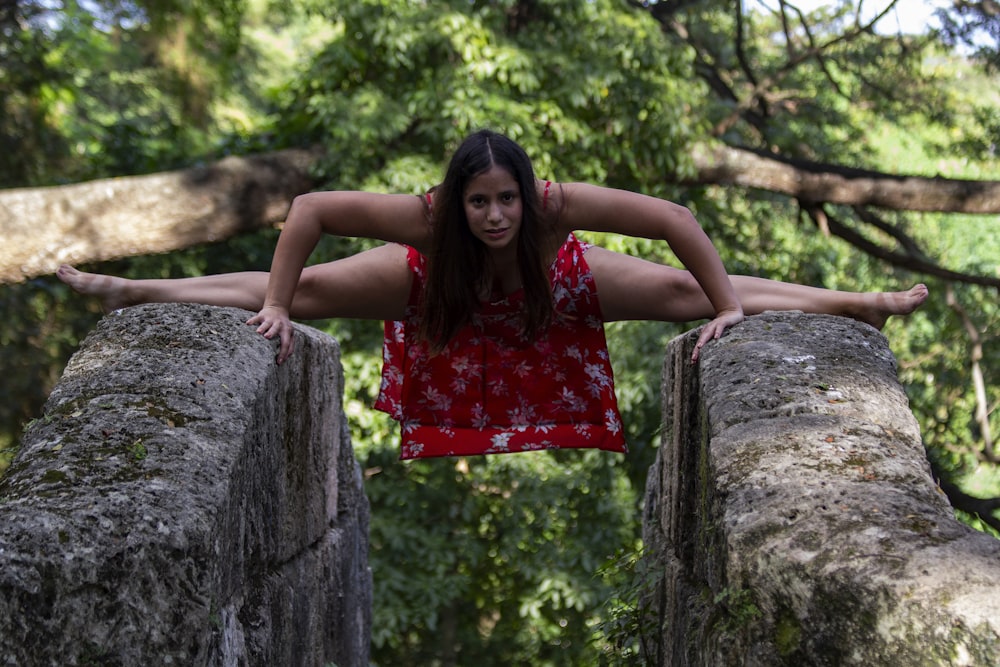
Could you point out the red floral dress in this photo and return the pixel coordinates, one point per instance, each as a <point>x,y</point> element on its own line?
<point>491,391</point>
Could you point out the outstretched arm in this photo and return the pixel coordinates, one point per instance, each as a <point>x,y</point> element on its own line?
<point>595,208</point>
<point>392,218</point>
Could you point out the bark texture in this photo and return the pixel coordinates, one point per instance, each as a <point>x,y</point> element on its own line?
<point>142,215</point>
<point>814,183</point>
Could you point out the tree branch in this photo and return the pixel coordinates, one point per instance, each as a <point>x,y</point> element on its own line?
<point>979,507</point>
<point>920,265</point>
<point>139,215</point>
<point>741,54</point>
<point>712,74</point>
<point>904,240</point>
<point>978,381</point>
<point>817,182</point>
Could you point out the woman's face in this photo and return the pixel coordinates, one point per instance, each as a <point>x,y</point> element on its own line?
<point>493,208</point>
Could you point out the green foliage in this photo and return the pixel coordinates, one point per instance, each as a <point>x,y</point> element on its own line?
<point>492,559</point>
<point>407,81</point>
<point>975,26</point>
<point>937,378</point>
<point>629,616</point>
<point>104,89</point>
<point>43,326</point>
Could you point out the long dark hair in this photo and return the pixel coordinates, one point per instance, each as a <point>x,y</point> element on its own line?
<point>458,265</point>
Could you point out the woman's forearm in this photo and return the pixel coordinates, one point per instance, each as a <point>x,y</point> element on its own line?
<point>299,236</point>
<point>600,209</point>
<point>696,251</point>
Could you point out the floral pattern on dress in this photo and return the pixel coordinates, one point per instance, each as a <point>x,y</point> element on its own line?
<point>491,391</point>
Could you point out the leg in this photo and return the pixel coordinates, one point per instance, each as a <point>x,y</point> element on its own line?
<point>630,288</point>
<point>374,284</point>
<point>241,290</point>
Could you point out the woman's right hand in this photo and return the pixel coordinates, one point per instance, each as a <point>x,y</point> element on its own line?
<point>274,321</point>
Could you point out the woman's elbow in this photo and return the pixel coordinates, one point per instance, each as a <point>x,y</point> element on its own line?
<point>304,203</point>
<point>682,218</point>
<point>312,208</point>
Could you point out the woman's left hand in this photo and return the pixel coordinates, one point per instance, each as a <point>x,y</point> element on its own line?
<point>714,329</point>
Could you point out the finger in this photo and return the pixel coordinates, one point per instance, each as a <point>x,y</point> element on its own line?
<point>287,346</point>
<point>706,335</point>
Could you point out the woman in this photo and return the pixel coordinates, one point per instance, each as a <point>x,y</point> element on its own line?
<point>494,310</point>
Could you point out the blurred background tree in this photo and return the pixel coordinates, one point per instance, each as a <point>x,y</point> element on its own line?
<point>524,559</point>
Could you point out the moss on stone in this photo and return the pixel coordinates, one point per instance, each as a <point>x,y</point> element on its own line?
<point>787,634</point>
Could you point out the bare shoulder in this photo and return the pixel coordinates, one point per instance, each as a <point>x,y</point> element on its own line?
<point>394,218</point>
<point>583,206</point>
<point>560,202</point>
<point>589,207</point>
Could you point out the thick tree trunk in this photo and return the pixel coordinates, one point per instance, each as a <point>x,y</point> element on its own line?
<point>121,217</point>
<point>137,215</point>
<point>816,183</point>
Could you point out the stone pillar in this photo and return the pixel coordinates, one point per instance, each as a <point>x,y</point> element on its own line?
<point>791,514</point>
<point>184,500</point>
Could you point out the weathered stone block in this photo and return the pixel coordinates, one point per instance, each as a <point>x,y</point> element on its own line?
<point>793,516</point>
<point>184,500</point>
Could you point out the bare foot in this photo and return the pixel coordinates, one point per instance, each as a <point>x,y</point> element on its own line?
<point>880,306</point>
<point>109,289</point>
